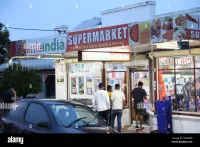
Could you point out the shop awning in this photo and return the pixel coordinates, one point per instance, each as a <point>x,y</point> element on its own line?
<point>174,53</point>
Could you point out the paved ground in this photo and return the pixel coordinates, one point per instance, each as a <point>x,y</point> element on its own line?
<point>131,129</point>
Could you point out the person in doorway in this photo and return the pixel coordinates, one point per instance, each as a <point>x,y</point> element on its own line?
<point>139,94</point>
<point>101,102</point>
<point>109,90</point>
<point>118,104</point>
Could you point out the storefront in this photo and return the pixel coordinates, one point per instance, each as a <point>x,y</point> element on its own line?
<point>101,54</point>
<point>95,47</point>
<point>140,69</point>
<point>104,55</point>
<point>177,76</point>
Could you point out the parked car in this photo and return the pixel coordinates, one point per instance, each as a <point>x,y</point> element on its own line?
<point>52,116</point>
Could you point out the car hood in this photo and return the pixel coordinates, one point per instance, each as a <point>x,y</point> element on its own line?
<point>104,130</point>
<point>95,130</point>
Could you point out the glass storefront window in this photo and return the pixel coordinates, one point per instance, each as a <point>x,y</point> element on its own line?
<point>197,62</point>
<point>166,82</point>
<point>185,91</point>
<point>197,72</point>
<point>166,63</point>
<point>181,83</point>
<point>184,62</point>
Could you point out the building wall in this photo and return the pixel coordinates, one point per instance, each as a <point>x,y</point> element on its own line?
<point>128,14</point>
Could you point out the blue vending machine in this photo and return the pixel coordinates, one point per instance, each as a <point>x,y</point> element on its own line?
<point>164,116</point>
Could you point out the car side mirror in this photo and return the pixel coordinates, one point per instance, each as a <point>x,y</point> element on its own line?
<point>43,124</point>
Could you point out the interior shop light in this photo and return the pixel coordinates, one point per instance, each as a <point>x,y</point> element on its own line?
<point>168,54</point>
<point>113,49</point>
<point>168,45</point>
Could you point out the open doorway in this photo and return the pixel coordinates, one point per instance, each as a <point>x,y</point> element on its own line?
<point>50,86</point>
<point>137,76</point>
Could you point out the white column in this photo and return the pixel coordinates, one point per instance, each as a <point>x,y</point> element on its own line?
<point>61,79</point>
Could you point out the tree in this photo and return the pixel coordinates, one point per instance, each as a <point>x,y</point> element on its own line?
<point>24,81</point>
<point>4,40</point>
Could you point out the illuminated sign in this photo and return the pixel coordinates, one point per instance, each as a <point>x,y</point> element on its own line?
<point>99,56</point>
<point>105,37</point>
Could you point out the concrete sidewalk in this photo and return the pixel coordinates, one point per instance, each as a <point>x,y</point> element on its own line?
<point>132,129</point>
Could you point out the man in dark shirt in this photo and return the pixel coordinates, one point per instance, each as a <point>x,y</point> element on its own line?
<point>139,95</point>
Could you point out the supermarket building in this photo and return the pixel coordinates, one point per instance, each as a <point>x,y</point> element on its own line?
<point>162,51</point>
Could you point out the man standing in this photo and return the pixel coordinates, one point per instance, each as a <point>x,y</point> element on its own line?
<point>139,95</point>
<point>101,102</point>
<point>118,103</point>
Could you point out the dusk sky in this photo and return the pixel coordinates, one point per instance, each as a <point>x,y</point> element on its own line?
<point>46,14</point>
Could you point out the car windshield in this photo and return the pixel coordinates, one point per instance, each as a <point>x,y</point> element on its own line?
<point>75,115</point>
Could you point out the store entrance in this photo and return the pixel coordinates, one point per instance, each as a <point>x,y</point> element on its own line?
<point>136,76</point>
<point>118,77</point>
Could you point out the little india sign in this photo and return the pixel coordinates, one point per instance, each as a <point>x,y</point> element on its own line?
<point>45,46</point>
<point>98,38</point>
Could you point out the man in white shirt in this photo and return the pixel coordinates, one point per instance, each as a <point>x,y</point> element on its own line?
<point>101,102</point>
<point>118,103</point>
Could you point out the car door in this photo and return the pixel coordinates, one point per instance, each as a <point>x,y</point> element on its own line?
<point>12,118</point>
<point>35,113</point>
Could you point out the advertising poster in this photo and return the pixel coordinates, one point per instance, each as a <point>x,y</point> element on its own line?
<point>156,30</point>
<point>179,24</point>
<point>97,80</point>
<point>81,85</point>
<point>73,85</point>
<point>134,34</point>
<point>144,32</point>
<point>167,28</point>
<point>193,27</point>
<point>89,85</point>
